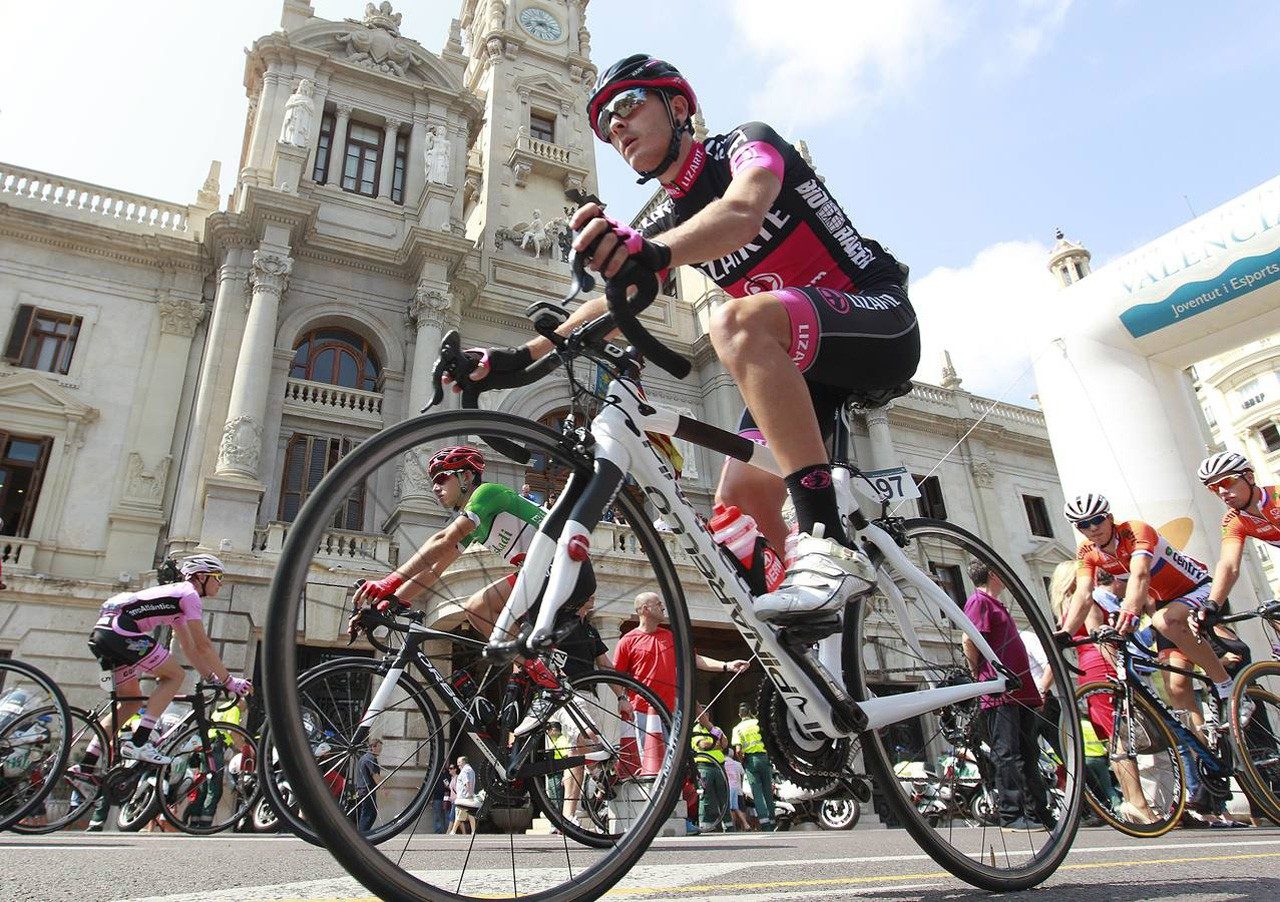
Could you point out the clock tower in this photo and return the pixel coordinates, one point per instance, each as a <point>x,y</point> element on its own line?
<point>530,63</point>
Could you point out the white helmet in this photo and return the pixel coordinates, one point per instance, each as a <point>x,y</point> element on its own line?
<point>200,563</point>
<point>1084,507</point>
<point>1224,463</point>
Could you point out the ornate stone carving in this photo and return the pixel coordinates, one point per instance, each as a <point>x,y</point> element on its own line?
<point>584,42</point>
<point>534,235</point>
<point>521,171</point>
<point>497,15</point>
<point>430,306</point>
<point>575,73</point>
<point>413,475</point>
<point>377,43</point>
<point>299,114</point>
<point>270,272</point>
<point>241,445</point>
<point>179,316</point>
<point>493,48</point>
<point>437,153</point>
<point>984,474</point>
<point>471,188</point>
<point>142,485</point>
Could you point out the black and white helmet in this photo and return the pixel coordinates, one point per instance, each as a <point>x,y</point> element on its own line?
<point>1224,463</point>
<point>200,563</point>
<point>1083,507</point>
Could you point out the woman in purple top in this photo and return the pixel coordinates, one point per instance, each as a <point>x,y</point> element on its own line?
<point>1012,718</point>
<point>122,642</point>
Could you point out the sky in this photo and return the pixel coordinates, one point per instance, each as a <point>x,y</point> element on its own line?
<point>959,133</point>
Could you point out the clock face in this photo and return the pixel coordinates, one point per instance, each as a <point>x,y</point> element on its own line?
<point>540,23</point>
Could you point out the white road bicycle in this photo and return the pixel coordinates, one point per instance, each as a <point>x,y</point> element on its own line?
<point>889,669</point>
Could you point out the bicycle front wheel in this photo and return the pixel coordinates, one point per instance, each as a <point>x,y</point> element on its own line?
<point>1258,737</point>
<point>75,792</point>
<point>35,738</point>
<point>899,640</point>
<point>195,789</point>
<point>310,595</point>
<point>1143,791</point>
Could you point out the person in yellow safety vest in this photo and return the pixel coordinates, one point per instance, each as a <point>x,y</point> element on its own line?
<point>1097,766</point>
<point>210,792</point>
<point>709,742</point>
<point>559,745</point>
<point>755,761</point>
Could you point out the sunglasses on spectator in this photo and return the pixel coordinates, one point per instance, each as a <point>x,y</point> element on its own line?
<point>1091,522</point>
<point>1224,483</point>
<point>621,105</point>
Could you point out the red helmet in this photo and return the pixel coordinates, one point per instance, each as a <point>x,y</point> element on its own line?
<point>458,457</point>
<point>637,71</point>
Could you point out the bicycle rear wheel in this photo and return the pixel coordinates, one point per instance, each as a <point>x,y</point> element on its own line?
<point>896,640</point>
<point>311,592</point>
<point>74,794</point>
<point>1258,739</point>
<point>1156,774</point>
<point>35,738</point>
<point>193,789</point>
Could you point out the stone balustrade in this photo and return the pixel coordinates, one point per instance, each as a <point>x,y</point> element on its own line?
<point>995,411</point>
<point>545,150</point>
<point>336,546</point>
<point>333,402</point>
<point>17,553</point>
<point>22,187</point>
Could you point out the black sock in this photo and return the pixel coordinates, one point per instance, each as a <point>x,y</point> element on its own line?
<point>89,761</point>
<point>140,735</point>
<point>815,499</point>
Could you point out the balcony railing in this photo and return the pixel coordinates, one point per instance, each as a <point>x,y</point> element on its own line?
<point>22,187</point>
<point>338,546</point>
<point>17,553</point>
<point>532,154</point>
<point>330,402</point>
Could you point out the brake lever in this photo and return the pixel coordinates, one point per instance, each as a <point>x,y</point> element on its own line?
<point>458,365</point>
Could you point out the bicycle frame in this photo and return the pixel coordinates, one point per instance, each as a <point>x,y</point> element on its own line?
<point>620,448</point>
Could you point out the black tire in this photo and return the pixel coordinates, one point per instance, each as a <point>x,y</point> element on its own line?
<point>35,739</point>
<point>707,769</point>
<point>264,817</point>
<point>198,770</point>
<point>340,759</point>
<point>1258,740</point>
<point>608,785</point>
<point>140,808</point>
<point>883,655</point>
<point>70,800</point>
<point>596,870</point>
<point>1163,779</point>
<point>839,813</point>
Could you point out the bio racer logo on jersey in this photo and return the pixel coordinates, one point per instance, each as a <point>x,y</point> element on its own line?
<point>836,223</point>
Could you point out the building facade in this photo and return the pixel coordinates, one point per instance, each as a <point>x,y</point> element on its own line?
<point>180,377</point>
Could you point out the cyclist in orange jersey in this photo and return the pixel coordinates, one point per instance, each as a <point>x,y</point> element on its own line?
<point>1253,511</point>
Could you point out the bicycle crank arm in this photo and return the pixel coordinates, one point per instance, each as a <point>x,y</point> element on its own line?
<point>846,714</point>
<point>550,766</point>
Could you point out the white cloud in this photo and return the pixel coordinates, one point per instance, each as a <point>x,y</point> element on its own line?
<point>987,315</point>
<point>820,60</point>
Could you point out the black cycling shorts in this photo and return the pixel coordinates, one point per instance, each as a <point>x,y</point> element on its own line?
<point>126,656</point>
<point>844,343</point>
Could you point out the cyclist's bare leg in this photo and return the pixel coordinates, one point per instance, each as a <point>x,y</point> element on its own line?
<point>1171,621</point>
<point>131,690</point>
<point>170,676</point>
<point>482,608</point>
<point>1126,771</point>
<point>758,493</point>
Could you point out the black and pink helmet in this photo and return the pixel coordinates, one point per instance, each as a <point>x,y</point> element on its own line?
<point>637,71</point>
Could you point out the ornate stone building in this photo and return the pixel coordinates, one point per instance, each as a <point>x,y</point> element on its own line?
<point>179,377</point>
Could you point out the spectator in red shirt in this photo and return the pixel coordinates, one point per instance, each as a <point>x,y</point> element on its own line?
<point>1011,718</point>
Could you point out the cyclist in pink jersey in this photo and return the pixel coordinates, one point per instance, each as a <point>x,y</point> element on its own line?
<point>122,642</point>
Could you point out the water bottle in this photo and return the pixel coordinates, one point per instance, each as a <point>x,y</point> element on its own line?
<point>12,706</point>
<point>479,710</point>
<point>738,534</point>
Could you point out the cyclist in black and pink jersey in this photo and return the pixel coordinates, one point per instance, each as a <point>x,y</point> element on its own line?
<point>816,310</point>
<point>122,642</point>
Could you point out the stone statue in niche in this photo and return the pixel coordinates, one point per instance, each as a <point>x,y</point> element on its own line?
<point>436,153</point>
<point>299,115</point>
<point>541,234</point>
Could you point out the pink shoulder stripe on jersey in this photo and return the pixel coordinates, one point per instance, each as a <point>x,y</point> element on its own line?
<point>758,154</point>
<point>804,326</point>
<point>754,435</point>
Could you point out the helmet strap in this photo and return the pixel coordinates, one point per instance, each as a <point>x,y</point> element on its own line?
<point>673,147</point>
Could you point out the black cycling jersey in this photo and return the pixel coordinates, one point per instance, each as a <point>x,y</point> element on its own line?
<point>806,239</point>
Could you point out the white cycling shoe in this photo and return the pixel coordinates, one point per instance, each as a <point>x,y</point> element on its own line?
<point>822,577</point>
<point>146,753</point>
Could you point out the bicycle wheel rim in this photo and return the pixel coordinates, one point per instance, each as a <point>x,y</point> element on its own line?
<point>376,871</point>
<point>184,797</point>
<point>342,757</point>
<point>84,729</point>
<point>35,739</point>
<point>880,651</point>
<point>1258,742</point>
<point>628,785</point>
<point>1161,772</point>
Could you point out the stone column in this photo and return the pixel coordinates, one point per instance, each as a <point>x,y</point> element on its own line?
<point>432,313</point>
<point>338,150</point>
<point>414,174</point>
<point>138,515</point>
<point>389,132</point>
<point>883,455</point>
<point>241,445</point>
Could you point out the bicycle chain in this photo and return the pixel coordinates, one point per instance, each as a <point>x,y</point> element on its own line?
<point>811,770</point>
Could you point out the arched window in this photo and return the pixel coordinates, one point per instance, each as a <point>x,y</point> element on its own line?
<point>337,357</point>
<point>307,458</point>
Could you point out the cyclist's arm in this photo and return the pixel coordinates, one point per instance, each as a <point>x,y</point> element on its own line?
<point>1135,593</point>
<point>431,560</point>
<point>728,223</point>
<point>1227,571</point>
<point>200,651</point>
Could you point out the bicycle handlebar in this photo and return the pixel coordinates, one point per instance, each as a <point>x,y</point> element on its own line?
<point>626,312</point>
